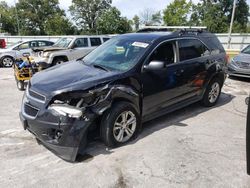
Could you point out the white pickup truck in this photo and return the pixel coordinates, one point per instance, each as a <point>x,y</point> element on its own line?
<point>68,48</point>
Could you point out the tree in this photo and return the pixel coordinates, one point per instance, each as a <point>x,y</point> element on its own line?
<point>59,25</point>
<point>177,12</point>
<point>150,17</point>
<point>86,12</point>
<point>111,22</point>
<point>136,21</point>
<point>34,15</point>
<point>216,15</point>
<point>8,18</point>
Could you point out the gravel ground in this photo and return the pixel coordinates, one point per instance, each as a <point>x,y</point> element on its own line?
<point>192,147</point>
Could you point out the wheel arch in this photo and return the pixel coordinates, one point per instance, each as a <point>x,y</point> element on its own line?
<point>64,57</point>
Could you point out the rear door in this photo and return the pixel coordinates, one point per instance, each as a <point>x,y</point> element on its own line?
<point>193,58</point>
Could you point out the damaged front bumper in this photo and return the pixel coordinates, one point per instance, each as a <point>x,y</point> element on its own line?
<point>63,135</point>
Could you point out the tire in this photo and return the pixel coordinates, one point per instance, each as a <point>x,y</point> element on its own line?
<point>212,93</point>
<point>114,132</point>
<point>58,61</point>
<point>7,61</point>
<point>20,85</point>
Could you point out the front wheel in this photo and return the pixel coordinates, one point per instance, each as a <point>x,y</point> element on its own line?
<point>120,124</point>
<point>20,85</point>
<point>212,93</point>
<point>7,61</point>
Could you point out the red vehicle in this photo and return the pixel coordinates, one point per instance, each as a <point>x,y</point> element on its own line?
<point>2,43</point>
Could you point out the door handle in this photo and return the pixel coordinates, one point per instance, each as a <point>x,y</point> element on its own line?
<point>179,72</point>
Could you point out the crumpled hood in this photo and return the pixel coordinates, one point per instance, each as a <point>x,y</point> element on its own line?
<point>242,58</point>
<point>69,76</point>
<point>48,48</point>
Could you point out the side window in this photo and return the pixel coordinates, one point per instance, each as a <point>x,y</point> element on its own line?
<point>191,48</point>
<point>105,39</point>
<point>165,53</point>
<point>24,46</point>
<point>80,43</point>
<point>42,43</point>
<point>95,41</point>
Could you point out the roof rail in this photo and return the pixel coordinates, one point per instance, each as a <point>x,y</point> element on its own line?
<point>180,29</point>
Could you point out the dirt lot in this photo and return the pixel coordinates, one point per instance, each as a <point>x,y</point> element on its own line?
<point>193,147</point>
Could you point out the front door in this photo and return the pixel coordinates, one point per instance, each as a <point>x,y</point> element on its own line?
<point>161,87</point>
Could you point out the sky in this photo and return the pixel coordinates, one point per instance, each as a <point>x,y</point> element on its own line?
<point>128,8</point>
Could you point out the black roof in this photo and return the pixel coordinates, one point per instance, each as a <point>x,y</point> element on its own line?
<point>149,36</point>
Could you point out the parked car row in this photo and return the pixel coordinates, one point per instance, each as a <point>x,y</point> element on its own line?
<point>128,80</point>
<point>65,49</point>
<point>16,51</point>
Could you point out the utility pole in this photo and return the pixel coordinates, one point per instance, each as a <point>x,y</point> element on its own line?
<point>17,19</point>
<point>231,25</point>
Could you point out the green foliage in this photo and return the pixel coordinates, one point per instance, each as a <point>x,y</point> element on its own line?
<point>136,22</point>
<point>216,15</point>
<point>176,13</point>
<point>86,12</point>
<point>37,17</point>
<point>8,18</point>
<point>150,17</point>
<point>111,22</point>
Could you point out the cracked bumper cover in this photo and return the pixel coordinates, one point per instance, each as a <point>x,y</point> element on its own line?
<point>64,137</point>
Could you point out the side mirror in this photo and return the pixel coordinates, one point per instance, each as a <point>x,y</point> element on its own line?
<point>154,65</point>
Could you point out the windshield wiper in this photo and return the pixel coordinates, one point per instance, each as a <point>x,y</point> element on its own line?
<point>100,67</point>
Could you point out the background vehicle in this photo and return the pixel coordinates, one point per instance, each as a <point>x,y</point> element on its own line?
<point>68,48</point>
<point>130,79</point>
<point>240,64</point>
<point>8,55</point>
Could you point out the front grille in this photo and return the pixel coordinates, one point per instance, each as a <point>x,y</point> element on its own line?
<point>243,65</point>
<point>37,95</point>
<point>30,110</point>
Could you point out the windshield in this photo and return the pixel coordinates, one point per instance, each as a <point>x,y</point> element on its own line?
<point>63,42</point>
<point>246,50</point>
<point>117,54</point>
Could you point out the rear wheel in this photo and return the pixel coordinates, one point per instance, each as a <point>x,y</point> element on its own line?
<point>120,124</point>
<point>212,93</point>
<point>7,61</point>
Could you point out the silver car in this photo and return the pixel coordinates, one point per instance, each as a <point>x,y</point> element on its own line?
<point>9,54</point>
<point>240,64</point>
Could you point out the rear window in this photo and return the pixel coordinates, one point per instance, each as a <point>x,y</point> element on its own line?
<point>191,48</point>
<point>95,41</point>
<point>213,43</point>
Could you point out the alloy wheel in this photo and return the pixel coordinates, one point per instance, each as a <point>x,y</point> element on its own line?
<point>125,126</point>
<point>7,62</point>
<point>214,93</point>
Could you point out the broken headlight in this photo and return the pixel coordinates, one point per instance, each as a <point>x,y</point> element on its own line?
<point>74,104</point>
<point>67,110</point>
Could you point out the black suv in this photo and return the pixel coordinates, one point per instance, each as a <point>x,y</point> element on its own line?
<point>128,80</point>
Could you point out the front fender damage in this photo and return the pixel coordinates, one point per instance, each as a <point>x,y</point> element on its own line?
<point>102,100</point>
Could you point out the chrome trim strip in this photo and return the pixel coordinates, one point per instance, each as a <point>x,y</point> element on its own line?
<point>35,99</point>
